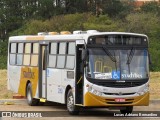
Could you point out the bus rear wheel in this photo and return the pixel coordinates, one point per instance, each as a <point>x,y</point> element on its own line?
<point>31,101</point>
<point>127,110</point>
<point>72,109</point>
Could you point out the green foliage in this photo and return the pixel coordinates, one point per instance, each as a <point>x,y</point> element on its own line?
<point>145,23</point>
<point>57,23</point>
<point>101,23</point>
<point>153,7</point>
<point>21,17</point>
<point>116,8</point>
<point>70,22</point>
<point>149,24</point>
<point>3,54</point>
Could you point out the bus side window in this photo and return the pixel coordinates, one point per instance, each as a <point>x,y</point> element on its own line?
<point>34,55</point>
<point>70,62</point>
<point>27,52</point>
<point>13,50</point>
<point>61,55</point>
<point>52,55</point>
<point>20,54</point>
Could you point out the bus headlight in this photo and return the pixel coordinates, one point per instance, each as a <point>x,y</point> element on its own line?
<point>140,93</point>
<point>146,89</point>
<point>90,88</point>
<point>93,91</point>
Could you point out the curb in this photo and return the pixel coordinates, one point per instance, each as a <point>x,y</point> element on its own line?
<point>155,101</point>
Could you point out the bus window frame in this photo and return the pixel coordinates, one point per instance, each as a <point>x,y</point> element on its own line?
<point>31,53</point>
<point>57,54</point>
<point>10,52</point>
<point>52,54</point>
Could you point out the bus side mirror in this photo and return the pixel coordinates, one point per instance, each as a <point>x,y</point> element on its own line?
<point>84,55</point>
<point>150,61</point>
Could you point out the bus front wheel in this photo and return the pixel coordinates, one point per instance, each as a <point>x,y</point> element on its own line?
<point>72,109</point>
<point>31,101</point>
<point>127,110</point>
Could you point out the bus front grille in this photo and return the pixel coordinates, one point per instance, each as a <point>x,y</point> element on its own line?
<point>121,84</point>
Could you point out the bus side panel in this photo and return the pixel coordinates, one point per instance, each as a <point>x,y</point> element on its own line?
<point>28,74</point>
<point>68,80</point>
<point>14,77</point>
<point>54,84</point>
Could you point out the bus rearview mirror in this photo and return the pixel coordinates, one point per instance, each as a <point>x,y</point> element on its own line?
<point>150,60</point>
<point>84,54</point>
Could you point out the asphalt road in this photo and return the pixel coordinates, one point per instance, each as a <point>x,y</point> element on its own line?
<point>57,111</point>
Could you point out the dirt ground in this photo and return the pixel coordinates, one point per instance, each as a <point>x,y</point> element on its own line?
<point>5,94</point>
<point>54,111</point>
<point>154,85</point>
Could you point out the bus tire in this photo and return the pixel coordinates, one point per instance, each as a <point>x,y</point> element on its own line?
<point>31,101</point>
<point>72,109</point>
<point>127,110</point>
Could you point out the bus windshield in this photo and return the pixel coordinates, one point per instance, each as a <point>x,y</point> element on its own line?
<point>116,64</point>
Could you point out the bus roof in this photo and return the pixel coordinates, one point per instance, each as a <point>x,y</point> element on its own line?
<point>74,36</point>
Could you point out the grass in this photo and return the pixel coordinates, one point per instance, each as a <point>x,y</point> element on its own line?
<point>4,93</point>
<point>154,85</point>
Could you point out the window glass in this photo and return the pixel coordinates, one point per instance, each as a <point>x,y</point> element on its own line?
<point>53,48</point>
<point>62,48</point>
<point>71,48</point>
<point>70,62</point>
<point>28,48</point>
<point>60,61</point>
<point>52,60</point>
<point>35,47</point>
<point>12,59</point>
<point>13,47</point>
<point>20,47</point>
<point>26,60</point>
<point>19,59</point>
<point>34,60</point>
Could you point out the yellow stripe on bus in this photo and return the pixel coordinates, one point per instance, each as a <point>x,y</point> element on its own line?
<point>35,38</point>
<point>28,74</point>
<point>94,100</point>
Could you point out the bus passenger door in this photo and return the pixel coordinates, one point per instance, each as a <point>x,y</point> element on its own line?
<point>79,76</point>
<point>42,71</point>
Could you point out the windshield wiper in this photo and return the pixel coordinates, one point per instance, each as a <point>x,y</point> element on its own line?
<point>129,59</point>
<point>130,56</point>
<point>111,56</point>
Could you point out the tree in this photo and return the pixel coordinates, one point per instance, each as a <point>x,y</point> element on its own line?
<point>149,24</point>
<point>116,8</point>
<point>153,7</point>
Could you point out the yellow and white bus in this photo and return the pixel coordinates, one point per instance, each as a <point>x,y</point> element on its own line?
<point>83,69</point>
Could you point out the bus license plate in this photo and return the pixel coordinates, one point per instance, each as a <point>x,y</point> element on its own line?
<point>120,100</point>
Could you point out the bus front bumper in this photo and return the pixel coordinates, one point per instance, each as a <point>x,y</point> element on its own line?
<point>91,100</point>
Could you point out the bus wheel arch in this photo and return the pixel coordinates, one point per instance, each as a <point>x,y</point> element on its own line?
<point>28,82</point>
<point>66,92</point>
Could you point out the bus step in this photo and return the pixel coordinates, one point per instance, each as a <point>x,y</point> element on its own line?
<point>79,104</point>
<point>42,100</point>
